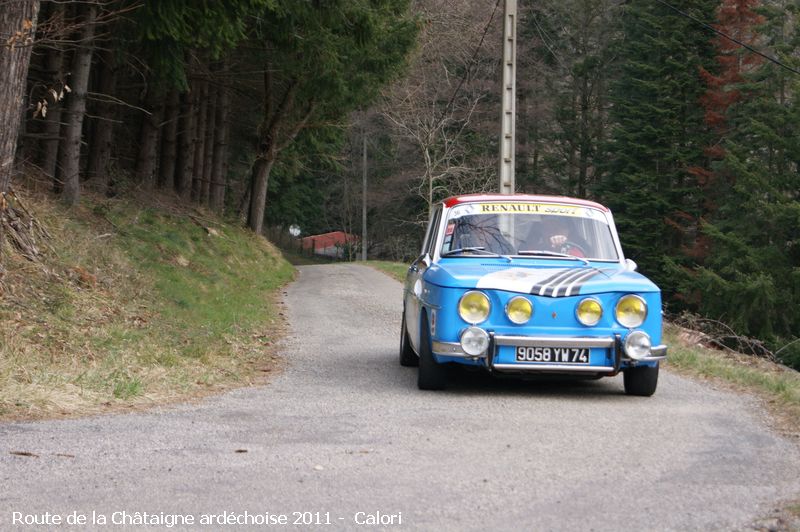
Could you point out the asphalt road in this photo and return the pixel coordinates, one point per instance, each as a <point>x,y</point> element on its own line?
<point>344,430</point>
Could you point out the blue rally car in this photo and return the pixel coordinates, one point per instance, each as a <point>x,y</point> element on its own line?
<point>520,284</point>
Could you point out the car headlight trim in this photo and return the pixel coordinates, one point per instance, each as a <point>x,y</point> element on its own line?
<point>519,310</point>
<point>631,311</point>
<point>638,345</point>
<point>589,311</point>
<point>474,341</point>
<point>474,307</point>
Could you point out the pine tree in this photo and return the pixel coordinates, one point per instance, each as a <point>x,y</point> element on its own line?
<point>658,131</point>
<point>751,278</point>
<point>739,20</point>
<point>566,71</point>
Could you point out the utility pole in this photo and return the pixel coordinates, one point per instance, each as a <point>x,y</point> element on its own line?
<point>508,118</point>
<point>364,200</point>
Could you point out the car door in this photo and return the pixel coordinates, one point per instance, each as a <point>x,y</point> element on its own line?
<point>412,302</point>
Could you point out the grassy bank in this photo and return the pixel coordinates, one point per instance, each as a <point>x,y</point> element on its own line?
<point>397,270</point>
<point>777,385</point>
<point>134,305</point>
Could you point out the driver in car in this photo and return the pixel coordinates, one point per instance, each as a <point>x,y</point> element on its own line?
<point>561,238</point>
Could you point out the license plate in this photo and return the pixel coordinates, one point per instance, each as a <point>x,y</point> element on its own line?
<point>553,355</point>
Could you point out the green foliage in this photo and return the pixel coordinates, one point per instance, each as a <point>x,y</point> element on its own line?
<point>321,61</point>
<point>338,52</point>
<point>751,277</point>
<point>163,32</point>
<point>658,131</point>
<point>573,45</point>
<point>296,192</point>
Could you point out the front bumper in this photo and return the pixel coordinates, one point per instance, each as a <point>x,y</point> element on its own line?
<point>614,354</point>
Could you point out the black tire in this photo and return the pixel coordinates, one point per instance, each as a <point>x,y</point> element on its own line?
<point>431,376</point>
<point>641,380</point>
<point>408,358</point>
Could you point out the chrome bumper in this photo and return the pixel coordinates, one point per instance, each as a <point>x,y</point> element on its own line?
<point>453,349</point>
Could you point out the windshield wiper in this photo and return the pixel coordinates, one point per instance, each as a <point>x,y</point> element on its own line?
<point>474,249</point>
<point>545,253</point>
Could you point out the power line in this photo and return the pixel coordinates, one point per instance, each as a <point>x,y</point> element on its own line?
<point>472,60</point>
<point>733,39</point>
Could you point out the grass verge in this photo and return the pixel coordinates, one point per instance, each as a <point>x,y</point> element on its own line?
<point>135,305</point>
<point>396,270</point>
<point>778,386</point>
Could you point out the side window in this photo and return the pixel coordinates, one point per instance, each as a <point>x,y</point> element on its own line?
<point>430,236</point>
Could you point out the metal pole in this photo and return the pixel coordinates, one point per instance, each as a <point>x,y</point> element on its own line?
<point>364,202</point>
<point>508,119</point>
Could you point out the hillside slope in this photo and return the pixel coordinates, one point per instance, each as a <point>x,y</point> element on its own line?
<point>134,305</point>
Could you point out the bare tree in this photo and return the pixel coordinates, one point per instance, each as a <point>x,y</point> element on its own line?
<point>103,138</point>
<point>201,109</point>
<point>56,78</point>
<point>76,104</point>
<point>185,161</point>
<point>219,165</point>
<point>169,140</point>
<point>147,158</point>
<point>445,98</point>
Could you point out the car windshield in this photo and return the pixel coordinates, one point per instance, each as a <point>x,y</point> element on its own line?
<point>528,229</point>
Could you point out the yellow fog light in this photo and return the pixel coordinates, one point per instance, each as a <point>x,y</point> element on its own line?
<point>631,311</point>
<point>473,307</point>
<point>519,310</point>
<point>589,311</point>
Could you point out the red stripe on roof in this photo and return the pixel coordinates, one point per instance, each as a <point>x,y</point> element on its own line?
<point>482,198</point>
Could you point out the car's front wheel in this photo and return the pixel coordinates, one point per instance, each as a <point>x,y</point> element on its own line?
<point>408,357</point>
<point>641,380</point>
<point>432,375</point>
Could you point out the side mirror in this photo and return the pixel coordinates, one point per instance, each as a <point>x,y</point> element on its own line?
<point>630,265</point>
<point>426,260</point>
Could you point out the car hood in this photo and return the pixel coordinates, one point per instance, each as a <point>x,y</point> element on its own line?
<point>549,280</point>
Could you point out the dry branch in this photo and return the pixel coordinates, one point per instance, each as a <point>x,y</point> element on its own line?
<point>20,228</point>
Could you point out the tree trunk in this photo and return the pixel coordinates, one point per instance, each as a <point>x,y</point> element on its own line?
<point>258,193</point>
<point>185,161</point>
<point>103,139</point>
<point>585,138</point>
<point>55,75</point>
<point>219,171</point>
<point>17,27</point>
<point>148,141</point>
<point>211,115</point>
<point>200,141</point>
<point>244,203</point>
<point>76,107</point>
<point>169,136</point>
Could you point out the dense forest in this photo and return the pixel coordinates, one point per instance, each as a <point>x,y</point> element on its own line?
<point>682,116</point>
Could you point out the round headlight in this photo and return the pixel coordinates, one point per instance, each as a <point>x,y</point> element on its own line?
<point>474,341</point>
<point>631,311</point>
<point>519,310</point>
<point>589,311</point>
<point>473,307</point>
<point>637,345</point>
